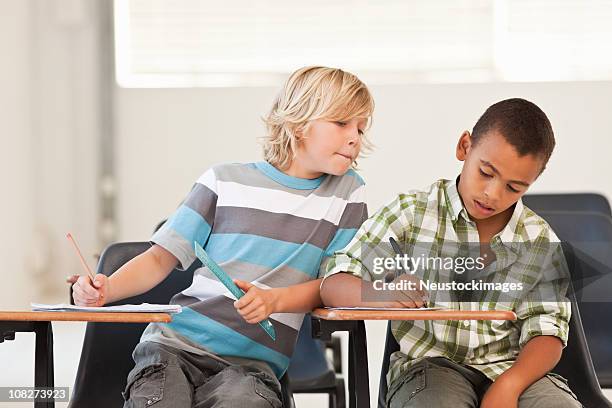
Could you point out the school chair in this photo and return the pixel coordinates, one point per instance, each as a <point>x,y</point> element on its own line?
<point>311,372</point>
<point>568,202</point>
<point>106,356</point>
<point>590,237</point>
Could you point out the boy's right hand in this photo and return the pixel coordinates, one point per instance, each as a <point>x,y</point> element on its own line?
<point>412,298</point>
<point>416,298</point>
<point>85,293</point>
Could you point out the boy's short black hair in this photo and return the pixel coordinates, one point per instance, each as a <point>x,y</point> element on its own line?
<point>521,123</point>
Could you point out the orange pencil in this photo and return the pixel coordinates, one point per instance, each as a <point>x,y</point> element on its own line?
<point>85,266</point>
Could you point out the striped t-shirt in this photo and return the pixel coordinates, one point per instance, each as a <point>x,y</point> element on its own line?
<point>262,226</point>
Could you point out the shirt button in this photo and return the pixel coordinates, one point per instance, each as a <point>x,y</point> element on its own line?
<point>466,323</point>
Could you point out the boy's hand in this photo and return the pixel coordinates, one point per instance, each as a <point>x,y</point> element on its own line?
<point>412,298</point>
<point>500,395</point>
<point>86,294</point>
<point>256,304</point>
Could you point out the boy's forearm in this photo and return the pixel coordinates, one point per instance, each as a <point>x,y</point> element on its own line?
<point>140,274</point>
<point>342,290</point>
<point>298,298</point>
<point>538,357</point>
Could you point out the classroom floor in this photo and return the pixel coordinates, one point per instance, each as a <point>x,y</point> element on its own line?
<point>68,338</point>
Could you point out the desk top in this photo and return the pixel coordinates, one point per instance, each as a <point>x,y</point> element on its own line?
<point>115,317</point>
<point>445,314</point>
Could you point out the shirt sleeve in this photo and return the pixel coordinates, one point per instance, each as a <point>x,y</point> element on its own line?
<point>358,257</point>
<point>191,222</point>
<point>546,311</point>
<point>354,214</point>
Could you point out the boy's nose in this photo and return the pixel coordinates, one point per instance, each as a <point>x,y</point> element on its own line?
<point>353,136</point>
<point>492,192</point>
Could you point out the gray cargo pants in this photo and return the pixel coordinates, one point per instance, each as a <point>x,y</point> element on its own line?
<point>165,377</point>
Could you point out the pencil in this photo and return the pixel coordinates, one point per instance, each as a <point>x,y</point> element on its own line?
<point>83,263</point>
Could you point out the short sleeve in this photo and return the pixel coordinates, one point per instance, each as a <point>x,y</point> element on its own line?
<point>191,222</point>
<point>389,221</point>
<point>354,214</point>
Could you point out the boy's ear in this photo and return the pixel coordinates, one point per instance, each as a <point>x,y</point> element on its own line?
<point>464,145</point>
<point>299,131</point>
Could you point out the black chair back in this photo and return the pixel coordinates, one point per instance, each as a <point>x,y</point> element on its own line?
<point>589,256</point>
<point>568,202</point>
<point>106,357</point>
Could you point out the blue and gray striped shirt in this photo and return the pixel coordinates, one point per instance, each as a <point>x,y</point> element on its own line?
<point>262,226</point>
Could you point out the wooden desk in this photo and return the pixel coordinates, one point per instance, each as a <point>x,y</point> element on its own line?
<point>327,321</point>
<point>40,323</point>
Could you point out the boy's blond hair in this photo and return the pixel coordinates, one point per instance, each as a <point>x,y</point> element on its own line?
<point>309,94</point>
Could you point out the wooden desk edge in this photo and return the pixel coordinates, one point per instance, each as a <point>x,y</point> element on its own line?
<point>327,314</point>
<point>109,317</point>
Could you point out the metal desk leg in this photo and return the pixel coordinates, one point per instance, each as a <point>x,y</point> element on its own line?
<point>43,360</point>
<point>358,366</point>
<point>358,379</point>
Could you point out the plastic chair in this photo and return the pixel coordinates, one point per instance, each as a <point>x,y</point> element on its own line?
<point>310,372</point>
<point>590,236</point>
<point>106,357</point>
<point>568,202</point>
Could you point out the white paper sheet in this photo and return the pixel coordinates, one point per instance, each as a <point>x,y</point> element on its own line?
<point>142,308</point>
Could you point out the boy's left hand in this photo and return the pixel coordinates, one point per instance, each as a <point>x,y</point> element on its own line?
<point>256,304</point>
<point>500,395</point>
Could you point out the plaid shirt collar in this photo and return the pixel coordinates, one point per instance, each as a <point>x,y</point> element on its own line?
<point>457,210</point>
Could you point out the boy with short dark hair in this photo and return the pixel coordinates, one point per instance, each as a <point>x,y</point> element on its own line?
<point>472,363</point>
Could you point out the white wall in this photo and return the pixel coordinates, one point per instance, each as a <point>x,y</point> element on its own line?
<point>15,171</point>
<point>166,138</point>
<point>49,131</point>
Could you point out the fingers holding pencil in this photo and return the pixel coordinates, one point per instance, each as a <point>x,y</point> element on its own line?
<point>87,290</point>
<point>88,293</point>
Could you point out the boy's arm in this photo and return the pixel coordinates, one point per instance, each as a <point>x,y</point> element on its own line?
<point>141,274</point>
<point>540,355</point>
<point>137,276</point>
<point>544,317</point>
<point>191,221</point>
<point>342,289</point>
<point>351,271</point>
<point>346,290</point>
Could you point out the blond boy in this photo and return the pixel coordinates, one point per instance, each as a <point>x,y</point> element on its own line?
<point>271,226</point>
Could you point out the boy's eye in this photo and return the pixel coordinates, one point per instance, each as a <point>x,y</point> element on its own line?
<point>514,190</point>
<point>341,124</point>
<point>482,173</point>
<point>360,132</point>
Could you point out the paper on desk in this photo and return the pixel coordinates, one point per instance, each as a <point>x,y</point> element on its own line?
<point>142,308</point>
<point>384,308</point>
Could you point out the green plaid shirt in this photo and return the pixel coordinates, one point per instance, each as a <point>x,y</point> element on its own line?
<point>525,252</point>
